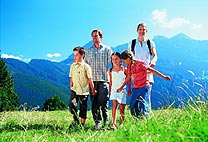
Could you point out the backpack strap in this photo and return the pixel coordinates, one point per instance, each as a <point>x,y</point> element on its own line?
<point>149,46</point>
<point>133,43</point>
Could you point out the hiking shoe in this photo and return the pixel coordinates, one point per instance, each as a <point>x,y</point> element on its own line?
<point>107,122</point>
<point>98,126</point>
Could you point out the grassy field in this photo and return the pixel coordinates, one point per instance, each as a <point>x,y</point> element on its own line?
<point>189,124</point>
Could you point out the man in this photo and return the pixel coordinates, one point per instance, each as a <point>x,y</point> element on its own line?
<point>98,57</point>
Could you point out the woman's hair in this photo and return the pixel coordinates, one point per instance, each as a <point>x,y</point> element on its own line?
<point>117,54</point>
<point>141,24</point>
<point>80,50</point>
<point>127,54</point>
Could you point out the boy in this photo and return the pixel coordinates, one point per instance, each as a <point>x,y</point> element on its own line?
<point>80,80</point>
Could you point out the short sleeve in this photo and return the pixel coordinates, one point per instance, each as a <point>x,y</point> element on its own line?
<point>152,44</point>
<point>88,71</point>
<point>70,71</point>
<point>129,46</point>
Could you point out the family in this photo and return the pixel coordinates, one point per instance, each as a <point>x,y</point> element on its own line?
<point>90,74</point>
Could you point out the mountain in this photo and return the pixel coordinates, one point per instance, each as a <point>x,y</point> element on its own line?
<point>181,57</point>
<point>38,80</point>
<point>69,60</point>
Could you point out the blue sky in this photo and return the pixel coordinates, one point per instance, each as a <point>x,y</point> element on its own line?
<point>50,29</point>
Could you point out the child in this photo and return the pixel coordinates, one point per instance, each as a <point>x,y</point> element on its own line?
<point>137,70</point>
<point>117,76</point>
<point>80,80</point>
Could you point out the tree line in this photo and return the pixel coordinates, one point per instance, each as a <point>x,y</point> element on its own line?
<point>9,99</point>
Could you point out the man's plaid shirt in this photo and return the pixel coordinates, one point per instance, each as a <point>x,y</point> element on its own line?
<point>98,59</point>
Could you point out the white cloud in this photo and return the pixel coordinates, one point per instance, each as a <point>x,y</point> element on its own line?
<point>176,22</point>
<point>196,26</point>
<point>49,55</point>
<point>53,60</point>
<point>26,60</point>
<point>160,16</point>
<point>20,57</point>
<point>11,56</point>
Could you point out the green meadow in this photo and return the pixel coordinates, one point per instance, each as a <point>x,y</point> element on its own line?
<point>164,125</point>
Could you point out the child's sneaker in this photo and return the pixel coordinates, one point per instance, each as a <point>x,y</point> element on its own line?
<point>98,126</point>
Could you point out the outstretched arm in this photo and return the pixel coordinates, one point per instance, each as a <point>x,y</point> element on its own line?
<point>156,72</point>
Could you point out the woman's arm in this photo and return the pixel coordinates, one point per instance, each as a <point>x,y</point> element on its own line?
<point>154,57</point>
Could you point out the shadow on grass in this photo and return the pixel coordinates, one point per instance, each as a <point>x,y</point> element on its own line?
<point>86,128</point>
<point>11,127</point>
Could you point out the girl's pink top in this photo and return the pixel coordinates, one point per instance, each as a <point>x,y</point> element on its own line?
<point>138,72</point>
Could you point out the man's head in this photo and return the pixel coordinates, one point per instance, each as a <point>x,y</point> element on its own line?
<point>97,36</point>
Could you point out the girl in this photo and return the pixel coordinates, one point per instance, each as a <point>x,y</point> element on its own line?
<point>137,71</point>
<point>117,76</point>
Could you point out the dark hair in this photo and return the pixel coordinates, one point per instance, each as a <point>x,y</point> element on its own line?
<point>117,54</point>
<point>98,31</point>
<point>141,24</point>
<point>79,49</point>
<point>127,54</point>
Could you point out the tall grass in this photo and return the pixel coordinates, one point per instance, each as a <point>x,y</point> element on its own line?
<point>170,124</point>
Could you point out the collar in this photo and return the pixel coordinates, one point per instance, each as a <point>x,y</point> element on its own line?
<point>79,63</point>
<point>101,46</point>
<point>145,40</point>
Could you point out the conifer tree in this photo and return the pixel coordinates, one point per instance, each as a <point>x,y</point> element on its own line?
<point>54,103</point>
<point>8,98</point>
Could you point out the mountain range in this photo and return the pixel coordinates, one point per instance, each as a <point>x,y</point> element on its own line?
<point>181,57</point>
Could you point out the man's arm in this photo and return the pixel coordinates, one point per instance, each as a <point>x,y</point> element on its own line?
<point>91,86</point>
